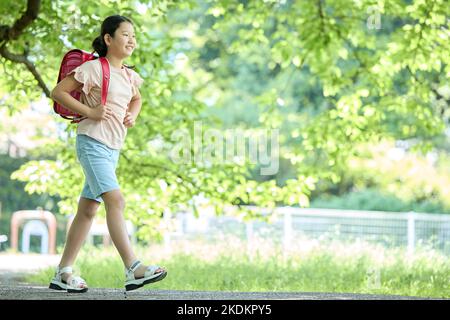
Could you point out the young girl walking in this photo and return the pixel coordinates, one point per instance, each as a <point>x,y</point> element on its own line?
<point>99,140</point>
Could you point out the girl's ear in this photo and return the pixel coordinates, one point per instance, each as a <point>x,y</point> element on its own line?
<point>107,39</point>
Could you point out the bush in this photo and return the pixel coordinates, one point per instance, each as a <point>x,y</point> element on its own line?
<point>371,199</point>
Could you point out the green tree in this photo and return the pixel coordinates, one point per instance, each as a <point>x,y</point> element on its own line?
<point>320,71</point>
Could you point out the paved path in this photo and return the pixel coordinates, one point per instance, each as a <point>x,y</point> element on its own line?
<point>32,292</point>
<point>19,262</point>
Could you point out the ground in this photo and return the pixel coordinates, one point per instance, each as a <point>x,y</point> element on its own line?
<point>14,267</point>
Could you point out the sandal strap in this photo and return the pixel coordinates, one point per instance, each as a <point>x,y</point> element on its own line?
<point>67,269</point>
<point>134,266</point>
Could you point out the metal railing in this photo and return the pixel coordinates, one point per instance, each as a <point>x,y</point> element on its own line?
<point>288,224</point>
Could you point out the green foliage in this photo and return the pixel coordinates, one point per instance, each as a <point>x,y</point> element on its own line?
<point>12,194</point>
<point>375,200</point>
<point>316,70</point>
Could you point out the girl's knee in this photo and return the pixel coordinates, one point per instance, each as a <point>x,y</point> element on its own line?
<point>90,212</point>
<point>88,208</point>
<point>114,198</point>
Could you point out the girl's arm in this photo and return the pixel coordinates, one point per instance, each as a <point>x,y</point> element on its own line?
<point>61,94</point>
<point>133,110</point>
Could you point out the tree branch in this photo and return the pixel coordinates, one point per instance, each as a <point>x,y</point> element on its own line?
<point>12,33</point>
<point>156,166</point>
<point>435,91</point>
<point>25,20</point>
<point>322,19</point>
<point>30,66</point>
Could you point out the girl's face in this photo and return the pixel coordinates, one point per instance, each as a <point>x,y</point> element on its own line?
<point>124,41</point>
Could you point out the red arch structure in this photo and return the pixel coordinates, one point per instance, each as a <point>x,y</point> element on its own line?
<point>19,217</point>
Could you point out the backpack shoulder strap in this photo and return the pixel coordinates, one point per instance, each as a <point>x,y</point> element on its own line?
<point>105,78</point>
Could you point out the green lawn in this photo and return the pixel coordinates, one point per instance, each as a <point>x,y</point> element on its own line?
<point>311,266</point>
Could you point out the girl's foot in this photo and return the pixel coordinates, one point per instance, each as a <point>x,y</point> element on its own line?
<point>138,275</point>
<point>65,280</point>
<point>140,271</point>
<point>66,277</point>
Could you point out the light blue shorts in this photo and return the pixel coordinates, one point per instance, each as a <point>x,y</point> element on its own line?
<point>99,163</point>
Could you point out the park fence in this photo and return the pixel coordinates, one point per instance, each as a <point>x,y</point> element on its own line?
<point>289,224</point>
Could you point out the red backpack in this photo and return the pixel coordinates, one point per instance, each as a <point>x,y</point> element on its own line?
<point>71,60</point>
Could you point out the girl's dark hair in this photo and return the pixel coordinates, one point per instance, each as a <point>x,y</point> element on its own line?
<point>109,26</point>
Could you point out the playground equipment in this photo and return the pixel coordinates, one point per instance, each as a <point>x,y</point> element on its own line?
<point>34,228</point>
<point>3,238</point>
<point>44,224</point>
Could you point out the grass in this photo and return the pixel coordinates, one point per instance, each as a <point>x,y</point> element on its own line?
<point>309,266</point>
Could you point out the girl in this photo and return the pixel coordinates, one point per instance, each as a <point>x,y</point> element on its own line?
<point>99,140</point>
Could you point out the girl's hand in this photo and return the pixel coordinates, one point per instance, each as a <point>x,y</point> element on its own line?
<point>129,120</point>
<point>100,112</point>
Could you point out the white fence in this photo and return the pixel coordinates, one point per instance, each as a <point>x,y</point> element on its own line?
<point>392,229</point>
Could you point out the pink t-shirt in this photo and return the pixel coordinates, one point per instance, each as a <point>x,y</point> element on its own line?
<point>122,87</point>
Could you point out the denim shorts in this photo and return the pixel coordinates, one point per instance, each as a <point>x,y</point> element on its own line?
<point>99,163</point>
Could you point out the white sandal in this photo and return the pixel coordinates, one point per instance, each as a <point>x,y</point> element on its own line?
<point>132,283</point>
<point>74,284</point>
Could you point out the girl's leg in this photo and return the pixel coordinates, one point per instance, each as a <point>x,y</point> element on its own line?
<point>78,231</point>
<point>115,206</point>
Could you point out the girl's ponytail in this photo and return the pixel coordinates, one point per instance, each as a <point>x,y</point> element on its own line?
<point>99,46</point>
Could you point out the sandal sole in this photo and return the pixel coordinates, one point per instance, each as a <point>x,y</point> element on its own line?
<point>77,291</point>
<point>133,286</point>
<point>54,286</point>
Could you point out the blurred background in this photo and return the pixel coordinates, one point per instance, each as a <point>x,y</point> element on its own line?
<point>357,92</point>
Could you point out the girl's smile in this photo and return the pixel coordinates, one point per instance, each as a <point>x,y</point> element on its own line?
<point>123,43</point>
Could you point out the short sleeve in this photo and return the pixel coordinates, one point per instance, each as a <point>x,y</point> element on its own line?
<point>87,75</point>
<point>136,81</point>
<point>136,78</point>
